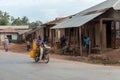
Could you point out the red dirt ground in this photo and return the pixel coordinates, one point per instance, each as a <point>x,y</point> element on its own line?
<point>21,48</point>
<point>111,56</point>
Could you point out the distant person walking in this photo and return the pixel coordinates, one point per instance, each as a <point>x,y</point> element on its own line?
<point>6,43</point>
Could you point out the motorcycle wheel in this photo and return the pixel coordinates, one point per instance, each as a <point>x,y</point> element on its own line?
<point>46,58</point>
<point>36,59</point>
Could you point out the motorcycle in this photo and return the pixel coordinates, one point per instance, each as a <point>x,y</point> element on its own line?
<point>42,53</point>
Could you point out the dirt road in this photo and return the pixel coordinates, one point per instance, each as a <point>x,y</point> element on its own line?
<point>15,66</point>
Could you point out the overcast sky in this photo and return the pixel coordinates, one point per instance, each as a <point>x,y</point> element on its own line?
<point>45,10</point>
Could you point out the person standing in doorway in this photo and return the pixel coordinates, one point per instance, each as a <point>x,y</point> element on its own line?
<point>46,40</point>
<point>87,44</point>
<point>66,47</point>
<point>6,43</point>
<point>62,41</point>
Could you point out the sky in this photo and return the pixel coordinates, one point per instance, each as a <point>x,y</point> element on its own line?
<point>45,10</point>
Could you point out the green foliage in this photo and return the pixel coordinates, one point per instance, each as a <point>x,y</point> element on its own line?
<point>6,19</point>
<point>35,24</point>
<point>17,21</point>
<point>25,20</point>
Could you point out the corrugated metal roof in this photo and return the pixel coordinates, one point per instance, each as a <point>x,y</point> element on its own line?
<point>22,31</point>
<point>104,5</point>
<point>8,30</point>
<point>80,18</point>
<point>77,21</point>
<point>15,27</point>
<point>34,30</point>
<point>116,6</point>
<point>56,21</point>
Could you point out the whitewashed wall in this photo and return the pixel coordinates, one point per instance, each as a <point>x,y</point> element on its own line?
<point>2,36</point>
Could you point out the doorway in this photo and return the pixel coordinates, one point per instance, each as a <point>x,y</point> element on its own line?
<point>9,38</point>
<point>108,34</point>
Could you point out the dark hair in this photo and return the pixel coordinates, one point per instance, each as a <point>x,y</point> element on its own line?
<point>39,37</point>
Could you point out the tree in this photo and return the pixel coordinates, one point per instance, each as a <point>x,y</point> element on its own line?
<point>11,19</point>
<point>4,18</point>
<point>6,15</point>
<point>38,23</point>
<point>1,13</point>
<point>25,20</point>
<point>17,21</point>
<point>4,21</point>
<point>35,24</point>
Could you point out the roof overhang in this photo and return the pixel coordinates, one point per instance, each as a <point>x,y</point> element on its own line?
<point>77,21</point>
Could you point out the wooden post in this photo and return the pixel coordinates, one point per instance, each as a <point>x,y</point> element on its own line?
<point>75,36</point>
<point>101,50</point>
<point>69,36</point>
<point>76,39</point>
<point>54,41</point>
<point>80,38</point>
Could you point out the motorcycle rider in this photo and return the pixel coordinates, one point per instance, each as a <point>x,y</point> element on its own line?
<point>40,45</point>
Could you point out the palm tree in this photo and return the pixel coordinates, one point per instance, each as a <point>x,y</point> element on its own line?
<point>4,18</point>
<point>17,21</point>
<point>25,20</point>
<point>1,13</point>
<point>12,18</point>
<point>6,15</point>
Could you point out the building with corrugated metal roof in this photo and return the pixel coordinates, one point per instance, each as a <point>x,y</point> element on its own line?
<point>52,35</point>
<point>100,22</point>
<point>14,33</point>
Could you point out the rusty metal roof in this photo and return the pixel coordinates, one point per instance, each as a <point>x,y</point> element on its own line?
<point>56,21</point>
<point>15,27</point>
<point>8,30</point>
<point>87,15</point>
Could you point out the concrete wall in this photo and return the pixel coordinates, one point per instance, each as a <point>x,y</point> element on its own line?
<point>14,37</point>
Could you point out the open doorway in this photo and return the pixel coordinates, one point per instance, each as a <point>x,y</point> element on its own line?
<point>9,38</point>
<point>108,34</point>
